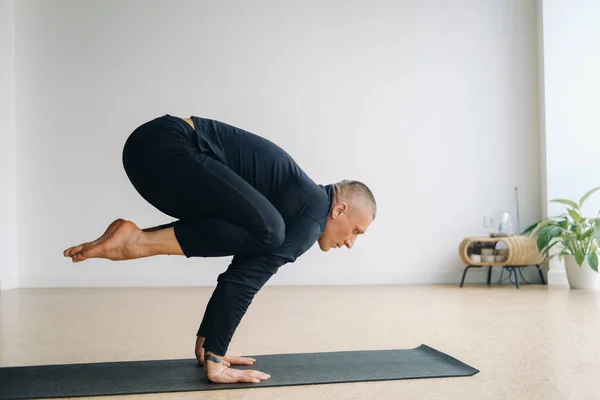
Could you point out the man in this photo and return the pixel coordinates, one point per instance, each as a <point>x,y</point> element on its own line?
<point>232,193</point>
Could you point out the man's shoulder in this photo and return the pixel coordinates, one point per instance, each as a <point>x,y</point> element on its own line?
<point>313,190</point>
<point>311,198</point>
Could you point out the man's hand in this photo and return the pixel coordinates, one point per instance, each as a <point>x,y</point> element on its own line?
<point>227,360</point>
<point>218,372</point>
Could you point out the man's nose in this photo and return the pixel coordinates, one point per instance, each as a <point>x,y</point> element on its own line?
<point>349,243</point>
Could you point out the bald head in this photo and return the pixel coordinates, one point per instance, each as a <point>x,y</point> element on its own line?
<point>353,210</point>
<point>356,194</point>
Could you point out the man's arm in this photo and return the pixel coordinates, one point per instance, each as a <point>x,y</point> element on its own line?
<point>234,293</point>
<point>244,277</point>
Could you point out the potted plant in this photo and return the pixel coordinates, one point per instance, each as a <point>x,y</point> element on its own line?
<point>577,240</point>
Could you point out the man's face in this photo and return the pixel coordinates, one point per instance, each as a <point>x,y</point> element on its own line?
<point>344,225</point>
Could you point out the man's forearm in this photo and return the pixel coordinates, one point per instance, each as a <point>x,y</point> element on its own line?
<point>231,298</point>
<point>200,352</point>
<point>224,312</point>
<point>200,349</point>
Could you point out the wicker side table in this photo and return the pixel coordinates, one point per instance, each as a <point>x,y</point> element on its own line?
<point>522,252</point>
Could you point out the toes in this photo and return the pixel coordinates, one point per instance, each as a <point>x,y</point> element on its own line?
<point>84,255</point>
<point>81,248</point>
<point>71,251</point>
<point>74,250</point>
<point>90,252</point>
<point>77,257</point>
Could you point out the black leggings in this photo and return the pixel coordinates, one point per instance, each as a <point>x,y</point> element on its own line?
<point>218,213</point>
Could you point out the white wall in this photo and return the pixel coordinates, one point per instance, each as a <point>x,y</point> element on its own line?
<point>8,149</point>
<point>432,103</point>
<point>572,99</point>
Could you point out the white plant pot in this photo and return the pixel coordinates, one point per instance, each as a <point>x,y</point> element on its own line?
<point>583,277</point>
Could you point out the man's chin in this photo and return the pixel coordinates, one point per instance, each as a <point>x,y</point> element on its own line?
<point>324,247</point>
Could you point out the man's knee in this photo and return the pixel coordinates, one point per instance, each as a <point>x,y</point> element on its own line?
<point>274,234</point>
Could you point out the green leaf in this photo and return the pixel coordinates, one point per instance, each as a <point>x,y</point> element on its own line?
<point>564,223</point>
<point>588,194</point>
<point>575,215</point>
<point>530,228</point>
<point>587,234</point>
<point>593,261</point>
<point>546,251</point>
<point>597,231</point>
<point>579,256</point>
<point>567,202</point>
<point>546,235</point>
<point>542,224</point>
<point>564,253</point>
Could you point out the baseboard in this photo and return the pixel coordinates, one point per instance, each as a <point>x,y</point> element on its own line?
<point>193,280</point>
<point>283,278</point>
<point>8,284</point>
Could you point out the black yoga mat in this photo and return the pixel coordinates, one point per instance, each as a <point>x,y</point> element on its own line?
<point>136,377</point>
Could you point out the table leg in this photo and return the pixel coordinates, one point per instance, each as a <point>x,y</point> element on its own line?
<point>541,275</point>
<point>516,276</point>
<point>465,273</point>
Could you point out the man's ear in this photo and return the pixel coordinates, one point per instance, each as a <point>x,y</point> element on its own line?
<point>339,209</point>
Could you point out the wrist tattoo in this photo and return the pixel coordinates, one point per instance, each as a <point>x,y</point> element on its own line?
<point>212,358</point>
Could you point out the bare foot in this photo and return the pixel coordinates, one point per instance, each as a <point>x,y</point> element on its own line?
<point>117,243</point>
<point>71,251</point>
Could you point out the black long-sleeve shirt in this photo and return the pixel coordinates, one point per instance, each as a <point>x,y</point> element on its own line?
<point>303,204</point>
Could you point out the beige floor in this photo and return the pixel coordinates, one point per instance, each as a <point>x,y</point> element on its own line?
<point>533,343</point>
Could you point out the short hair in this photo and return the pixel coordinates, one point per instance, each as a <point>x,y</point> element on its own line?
<point>355,191</point>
